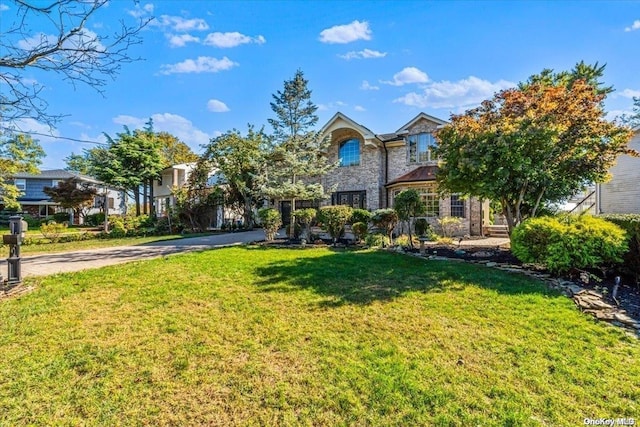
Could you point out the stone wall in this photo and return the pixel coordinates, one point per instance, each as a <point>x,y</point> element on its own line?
<point>398,158</point>
<point>367,176</point>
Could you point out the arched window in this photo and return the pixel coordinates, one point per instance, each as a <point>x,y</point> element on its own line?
<point>349,152</point>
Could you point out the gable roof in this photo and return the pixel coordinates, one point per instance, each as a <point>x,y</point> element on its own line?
<point>422,173</point>
<point>340,120</point>
<point>420,116</point>
<point>56,174</point>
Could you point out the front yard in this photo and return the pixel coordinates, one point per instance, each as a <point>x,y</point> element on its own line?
<point>315,337</point>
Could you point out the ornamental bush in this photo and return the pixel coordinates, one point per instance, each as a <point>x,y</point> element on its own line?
<point>385,219</point>
<point>53,230</point>
<point>360,230</point>
<point>631,259</point>
<point>271,221</point>
<point>360,215</point>
<point>568,242</point>
<point>334,218</point>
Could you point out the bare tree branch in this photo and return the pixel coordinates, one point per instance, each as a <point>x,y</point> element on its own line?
<point>53,37</point>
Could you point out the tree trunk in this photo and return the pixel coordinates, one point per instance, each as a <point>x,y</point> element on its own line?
<point>136,197</point>
<point>248,212</point>
<point>145,197</point>
<point>152,204</point>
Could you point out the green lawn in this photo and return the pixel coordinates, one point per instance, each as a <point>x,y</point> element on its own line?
<point>307,337</point>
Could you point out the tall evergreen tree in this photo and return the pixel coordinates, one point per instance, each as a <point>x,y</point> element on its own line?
<point>296,158</point>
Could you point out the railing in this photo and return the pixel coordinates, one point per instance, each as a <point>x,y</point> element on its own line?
<point>580,207</point>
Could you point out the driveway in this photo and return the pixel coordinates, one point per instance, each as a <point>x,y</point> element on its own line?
<point>42,265</point>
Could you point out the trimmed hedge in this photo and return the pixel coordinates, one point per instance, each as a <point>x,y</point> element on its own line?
<point>568,242</point>
<point>631,224</point>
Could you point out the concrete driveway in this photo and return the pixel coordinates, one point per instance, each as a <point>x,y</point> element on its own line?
<point>42,265</point>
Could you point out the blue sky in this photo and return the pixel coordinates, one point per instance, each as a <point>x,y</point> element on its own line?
<point>211,66</point>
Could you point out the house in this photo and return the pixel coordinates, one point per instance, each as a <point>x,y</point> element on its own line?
<point>622,193</point>
<point>374,168</point>
<point>36,203</point>
<point>177,176</point>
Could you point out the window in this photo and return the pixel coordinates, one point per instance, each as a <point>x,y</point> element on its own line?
<point>420,147</point>
<point>457,206</point>
<point>21,184</point>
<point>349,153</point>
<point>55,182</point>
<point>431,200</point>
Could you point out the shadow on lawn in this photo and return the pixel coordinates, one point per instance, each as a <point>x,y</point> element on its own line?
<point>362,277</point>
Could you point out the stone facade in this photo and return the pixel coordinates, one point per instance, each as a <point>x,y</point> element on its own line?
<point>384,159</point>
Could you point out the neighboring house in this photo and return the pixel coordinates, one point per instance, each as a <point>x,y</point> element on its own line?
<point>35,202</point>
<point>374,168</point>
<point>173,177</point>
<point>622,193</point>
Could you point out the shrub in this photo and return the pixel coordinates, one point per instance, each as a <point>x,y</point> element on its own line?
<point>271,221</point>
<point>377,240</point>
<point>334,218</point>
<point>296,231</point>
<point>360,230</point>
<point>631,259</point>
<point>564,243</point>
<point>53,230</point>
<point>61,217</point>
<point>423,228</point>
<point>305,217</point>
<point>449,225</point>
<point>360,215</point>
<point>94,220</point>
<point>33,222</point>
<point>405,240</point>
<point>385,219</point>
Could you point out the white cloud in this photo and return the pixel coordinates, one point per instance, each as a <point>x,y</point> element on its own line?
<point>367,86</point>
<point>140,11</point>
<point>233,39</point>
<point>37,40</point>
<point>634,26</point>
<point>180,40</point>
<point>346,33</point>
<point>3,7</point>
<point>363,54</point>
<point>407,76</point>
<point>180,24</point>
<point>217,106</point>
<point>359,108</point>
<point>173,123</point>
<point>630,93</point>
<point>204,64</point>
<point>99,139</point>
<point>85,38</point>
<point>460,94</point>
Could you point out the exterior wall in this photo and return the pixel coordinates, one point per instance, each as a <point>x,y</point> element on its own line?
<point>622,193</point>
<point>398,157</point>
<point>367,176</point>
<point>163,187</point>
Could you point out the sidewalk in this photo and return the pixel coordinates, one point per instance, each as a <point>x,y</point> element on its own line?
<point>42,265</point>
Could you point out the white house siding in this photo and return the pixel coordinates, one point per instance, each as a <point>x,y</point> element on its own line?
<point>622,193</point>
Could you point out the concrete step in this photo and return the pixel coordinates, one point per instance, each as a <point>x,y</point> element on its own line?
<point>496,231</point>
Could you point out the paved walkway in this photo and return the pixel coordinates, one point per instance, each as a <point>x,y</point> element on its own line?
<point>42,265</point>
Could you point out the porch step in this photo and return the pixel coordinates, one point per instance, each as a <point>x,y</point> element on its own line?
<point>496,231</point>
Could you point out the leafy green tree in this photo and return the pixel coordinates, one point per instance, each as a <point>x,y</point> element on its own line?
<point>18,153</point>
<point>271,221</point>
<point>72,193</point>
<point>409,205</point>
<point>296,160</point>
<point>239,160</point>
<point>80,163</point>
<point>130,161</point>
<point>174,151</point>
<point>530,146</point>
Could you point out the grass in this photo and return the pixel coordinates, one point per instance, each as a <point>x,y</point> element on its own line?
<point>257,336</point>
